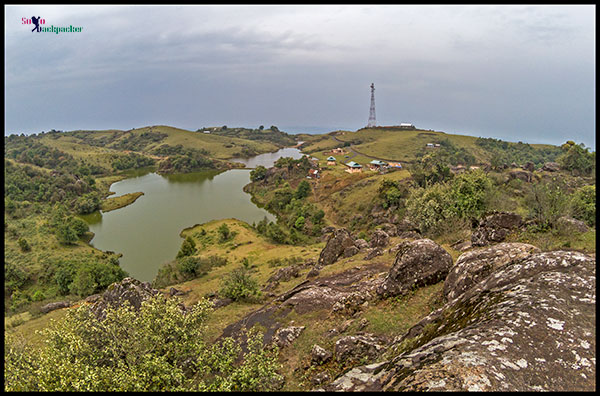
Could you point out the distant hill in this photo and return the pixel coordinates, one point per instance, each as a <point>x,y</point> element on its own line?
<point>406,145</point>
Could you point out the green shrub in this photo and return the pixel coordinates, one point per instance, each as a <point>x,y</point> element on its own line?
<point>24,245</point>
<point>224,233</point>
<point>240,286</point>
<point>583,203</point>
<point>129,352</point>
<point>546,203</point>
<point>303,190</point>
<point>188,248</point>
<point>258,173</point>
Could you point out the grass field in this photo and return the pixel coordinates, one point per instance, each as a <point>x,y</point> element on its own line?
<point>119,202</point>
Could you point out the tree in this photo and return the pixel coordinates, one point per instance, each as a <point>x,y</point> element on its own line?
<point>303,190</point>
<point>79,226</point>
<point>224,232</point>
<point>258,173</point>
<point>583,203</point>
<point>128,351</point>
<point>66,234</point>
<point>188,247</point>
<point>577,159</point>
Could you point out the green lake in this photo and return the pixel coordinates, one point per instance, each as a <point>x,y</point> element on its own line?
<point>147,231</point>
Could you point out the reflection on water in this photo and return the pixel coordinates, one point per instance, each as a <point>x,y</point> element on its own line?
<point>147,231</point>
<point>267,160</point>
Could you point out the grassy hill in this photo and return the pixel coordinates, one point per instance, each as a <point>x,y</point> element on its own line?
<point>146,139</point>
<point>408,146</point>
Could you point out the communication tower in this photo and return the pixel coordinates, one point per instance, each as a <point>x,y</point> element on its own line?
<point>372,121</point>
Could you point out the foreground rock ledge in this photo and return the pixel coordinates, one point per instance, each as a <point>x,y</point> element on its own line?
<point>528,326</point>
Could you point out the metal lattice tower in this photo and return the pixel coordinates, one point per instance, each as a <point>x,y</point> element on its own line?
<point>372,122</point>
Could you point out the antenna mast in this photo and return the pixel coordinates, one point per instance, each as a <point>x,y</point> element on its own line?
<point>372,122</point>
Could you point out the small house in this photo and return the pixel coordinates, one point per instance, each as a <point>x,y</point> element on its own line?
<point>353,167</point>
<point>338,150</point>
<point>406,125</point>
<point>313,173</point>
<point>430,145</point>
<point>377,165</point>
<point>395,165</point>
<point>331,160</point>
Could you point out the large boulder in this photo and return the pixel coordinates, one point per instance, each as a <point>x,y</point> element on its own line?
<point>55,305</point>
<point>495,227</point>
<point>379,238</point>
<point>357,347</point>
<point>529,166</point>
<point>286,335</point>
<point>524,175</point>
<point>418,263</point>
<point>319,355</point>
<point>571,224</point>
<point>476,265</point>
<point>551,167</point>
<point>390,229</point>
<point>337,243</point>
<point>129,290</point>
<point>530,325</point>
<point>361,244</point>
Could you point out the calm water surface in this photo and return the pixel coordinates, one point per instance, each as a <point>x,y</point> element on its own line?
<point>147,231</point>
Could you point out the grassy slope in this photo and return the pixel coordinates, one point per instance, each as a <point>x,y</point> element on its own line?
<point>401,145</point>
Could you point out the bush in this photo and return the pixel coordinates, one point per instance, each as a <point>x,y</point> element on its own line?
<point>127,351</point>
<point>583,203</point>
<point>24,245</point>
<point>188,248</point>
<point>428,207</point>
<point>577,159</point>
<point>303,190</point>
<point>240,286</point>
<point>66,234</point>
<point>224,233</point>
<point>465,197</point>
<point>258,173</point>
<point>469,194</point>
<point>547,202</point>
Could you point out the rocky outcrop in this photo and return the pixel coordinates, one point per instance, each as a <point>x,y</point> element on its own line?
<point>476,265</point>
<point>285,336</point>
<point>373,252</point>
<point>418,263</point>
<point>390,229</point>
<point>571,224</point>
<point>319,355</point>
<point>551,167</point>
<point>529,325</point>
<point>529,166</point>
<point>358,347</point>
<point>348,289</point>
<point>339,241</point>
<point>521,175</point>
<point>379,238</point>
<point>361,244</point>
<point>495,227</point>
<point>55,305</point>
<point>131,290</point>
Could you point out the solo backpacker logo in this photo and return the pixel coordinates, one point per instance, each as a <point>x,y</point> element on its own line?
<point>39,21</point>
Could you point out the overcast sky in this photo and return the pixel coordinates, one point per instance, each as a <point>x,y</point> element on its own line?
<point>510,72</point>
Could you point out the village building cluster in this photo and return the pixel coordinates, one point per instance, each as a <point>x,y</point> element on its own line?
<point>351,166</point>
